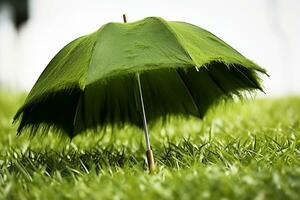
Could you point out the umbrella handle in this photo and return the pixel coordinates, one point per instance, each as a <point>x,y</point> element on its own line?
<point>150,160</point>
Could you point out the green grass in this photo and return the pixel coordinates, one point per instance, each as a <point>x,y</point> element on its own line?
<point>246,150</point>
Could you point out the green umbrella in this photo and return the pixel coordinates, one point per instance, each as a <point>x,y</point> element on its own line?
<point>124,72</point>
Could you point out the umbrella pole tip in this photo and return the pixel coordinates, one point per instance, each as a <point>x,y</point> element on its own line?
<point>124,18</point>
<point>150,160</point>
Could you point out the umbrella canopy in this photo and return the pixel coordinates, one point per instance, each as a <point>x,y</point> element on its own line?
<point>92,82</point>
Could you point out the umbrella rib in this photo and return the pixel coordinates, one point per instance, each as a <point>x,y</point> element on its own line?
<point>76,111</point>
<point>179,41</point>
<point>215,81</point>
<point>188,91</point>
<point>245,76</point>
<point>81,93</point>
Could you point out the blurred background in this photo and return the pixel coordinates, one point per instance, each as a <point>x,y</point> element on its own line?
<point>265,31</point>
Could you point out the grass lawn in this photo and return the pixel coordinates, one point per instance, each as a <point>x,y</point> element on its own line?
<point>246,150</point>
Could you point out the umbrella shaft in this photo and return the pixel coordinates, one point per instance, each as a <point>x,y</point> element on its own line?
<point>144,114</point>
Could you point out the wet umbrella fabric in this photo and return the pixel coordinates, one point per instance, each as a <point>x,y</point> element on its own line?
<point>92,82</point>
